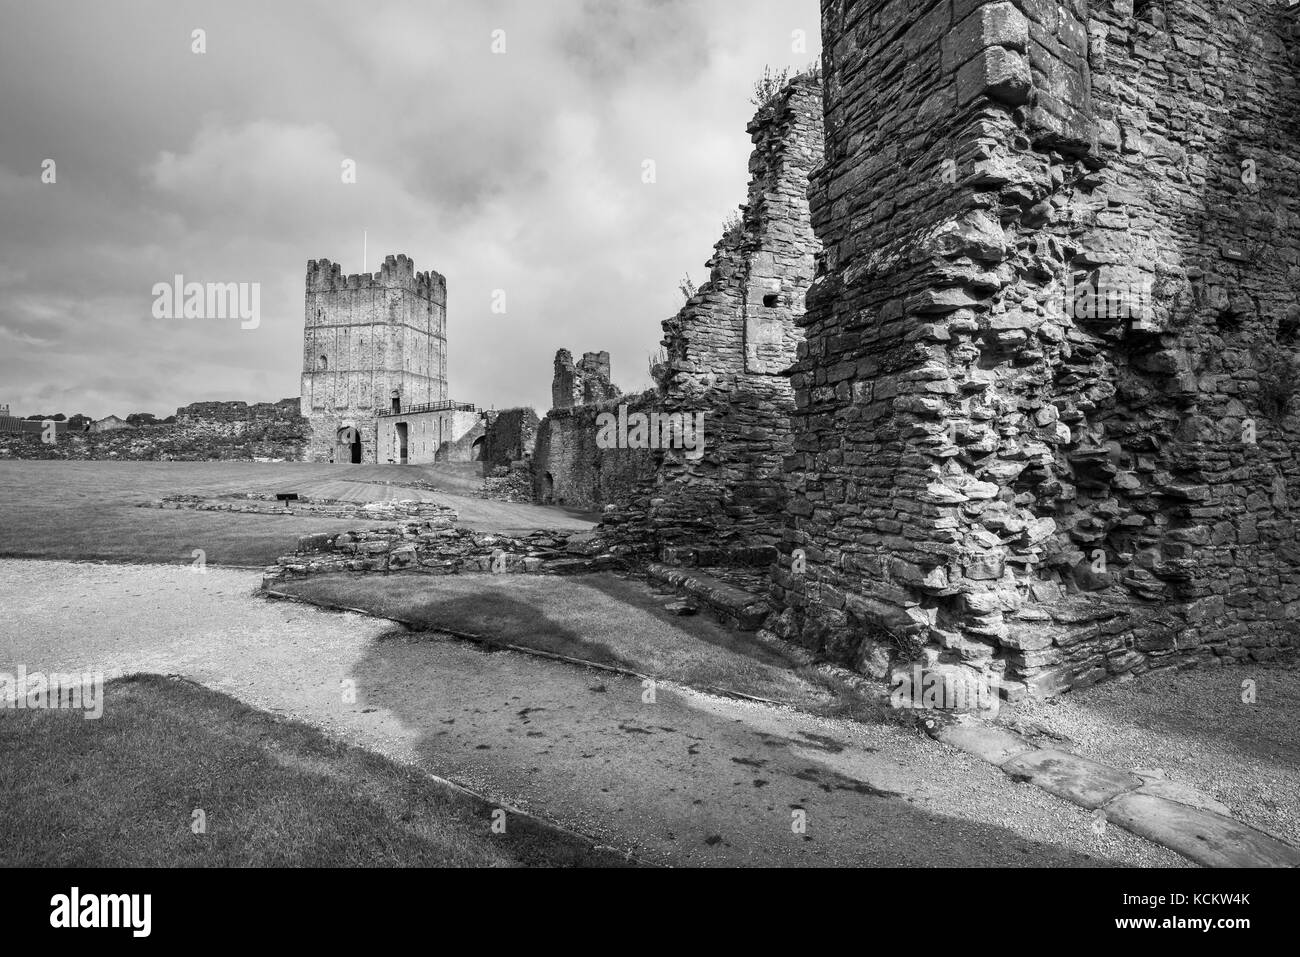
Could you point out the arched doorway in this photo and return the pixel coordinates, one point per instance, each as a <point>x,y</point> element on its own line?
<point>476,450</point>
<point>548,489</point>
<point>347,445</point>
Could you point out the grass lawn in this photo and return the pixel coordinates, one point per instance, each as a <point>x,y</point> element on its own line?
<point>121,791</point>
<point>87,511</point>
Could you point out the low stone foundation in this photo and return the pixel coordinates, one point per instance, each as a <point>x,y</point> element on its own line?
<point>262,503</point>
<point>436,548</point>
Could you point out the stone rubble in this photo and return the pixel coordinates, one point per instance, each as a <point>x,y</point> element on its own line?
<point>262,503</point>
<point>436,547</point>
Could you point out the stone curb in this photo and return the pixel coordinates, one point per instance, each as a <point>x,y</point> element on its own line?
<point>1128,800</point>
<point>733,605</point>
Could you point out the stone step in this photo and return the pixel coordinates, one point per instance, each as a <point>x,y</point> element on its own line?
<point>733,605</point>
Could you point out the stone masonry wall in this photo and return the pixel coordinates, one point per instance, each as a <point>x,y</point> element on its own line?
<point>581,382</point>
<point>203,431</point>
<point>569,467</point>
<point>727,352</point>
<point>1046,406</point>
<point>511,436</point>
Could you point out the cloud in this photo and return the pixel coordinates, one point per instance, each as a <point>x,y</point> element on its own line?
<point>519,172</point>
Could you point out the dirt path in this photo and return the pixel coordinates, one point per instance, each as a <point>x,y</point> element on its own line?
<point>686,779</point>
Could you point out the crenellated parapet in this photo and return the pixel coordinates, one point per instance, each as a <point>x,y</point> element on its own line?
<point>396,272</point>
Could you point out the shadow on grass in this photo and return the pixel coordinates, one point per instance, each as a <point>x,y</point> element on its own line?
<point>680,783</point>
<point>123,791</point>
<point>589,617</point>
<point>487,614</point>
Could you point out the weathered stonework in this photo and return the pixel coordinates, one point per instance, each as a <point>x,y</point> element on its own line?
<point>1046,421</point>
<point>569,466</point>
<point>435,545</point>
<point>203,431</point>
<point>510,436</point>
<point>452,434</point>
<point>370,341</point>
<point>727,352</point>
<point>582,382</point>
<point>266,503</point>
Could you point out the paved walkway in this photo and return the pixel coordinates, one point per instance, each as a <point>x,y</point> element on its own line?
<point>687,779</point>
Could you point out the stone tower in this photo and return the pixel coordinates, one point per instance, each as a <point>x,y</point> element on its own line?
<point>371,343</point>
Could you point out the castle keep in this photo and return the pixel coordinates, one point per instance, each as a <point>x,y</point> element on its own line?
<point>373,344</point>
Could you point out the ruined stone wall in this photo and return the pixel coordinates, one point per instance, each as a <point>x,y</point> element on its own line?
<point>367,339</point>
<point>203,431</point>
<point>511,436</point>
<point>230,419</point>
<point>569,466</point>
<point>466,441</point>
<point>581,382</point>
<point>1046,415</point>
<point>727,350</point>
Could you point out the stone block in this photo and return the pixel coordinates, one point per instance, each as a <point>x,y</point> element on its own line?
<point>1086,783</point>
<point>993,24</point>
<point>997,73</point>
<point>1210,839</point>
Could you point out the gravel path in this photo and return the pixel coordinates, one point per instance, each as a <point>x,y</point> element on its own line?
<point>687,779</point>
<point>1195,727</point>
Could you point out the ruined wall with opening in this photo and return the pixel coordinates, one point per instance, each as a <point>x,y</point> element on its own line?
<point>1046,403</point>
<point>570,465</point>
<point>571,468</point>
<point>727,352</point>
<point>443,435</point>
<point>582,382</point>
<point>510,436</point>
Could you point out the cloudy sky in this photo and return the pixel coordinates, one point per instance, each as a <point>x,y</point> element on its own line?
<point>519,171</point>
